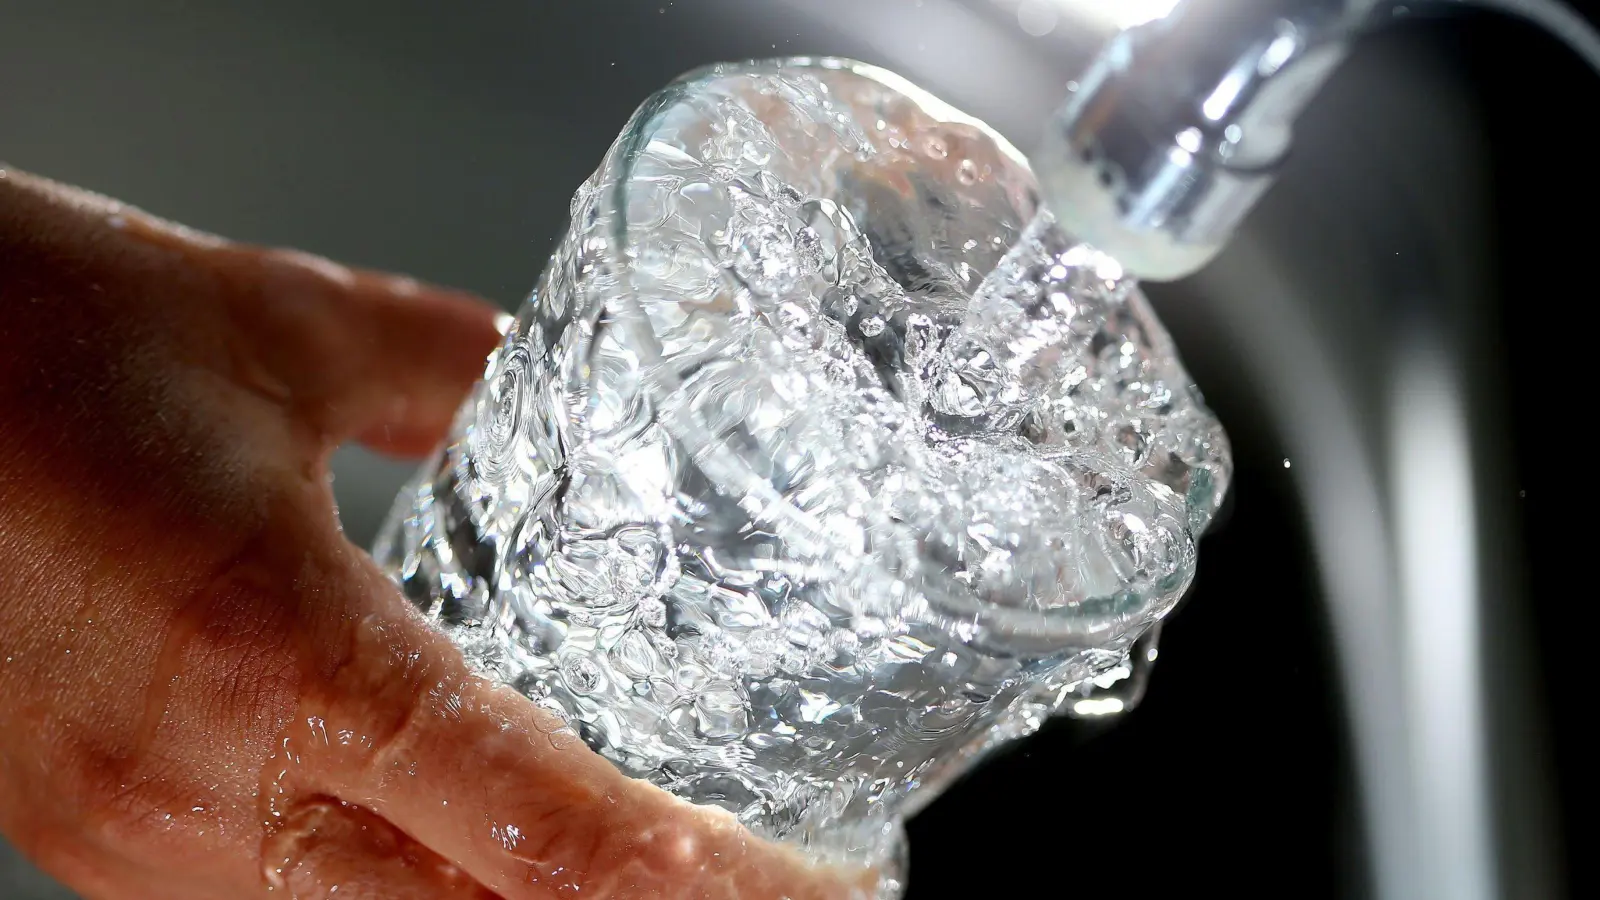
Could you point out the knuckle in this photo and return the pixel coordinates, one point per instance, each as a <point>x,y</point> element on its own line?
<point>386,690</point>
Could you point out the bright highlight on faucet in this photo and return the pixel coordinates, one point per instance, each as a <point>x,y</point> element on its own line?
<point>1121,13</point>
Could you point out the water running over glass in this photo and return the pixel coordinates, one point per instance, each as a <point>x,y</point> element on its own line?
<point>819,463</point>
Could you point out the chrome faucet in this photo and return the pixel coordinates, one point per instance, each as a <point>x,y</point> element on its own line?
<point>1179,125</point>
<point>1167,141</point>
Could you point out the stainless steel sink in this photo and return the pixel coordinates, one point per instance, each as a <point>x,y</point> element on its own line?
<point>1377,631</point>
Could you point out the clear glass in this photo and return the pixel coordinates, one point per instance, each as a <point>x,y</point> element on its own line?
<point>819,463</point>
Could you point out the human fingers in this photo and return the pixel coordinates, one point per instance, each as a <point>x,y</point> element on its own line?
<point>344,353</point>
<point>499,786</point>
<point>253,391</point>
<point>335,851</point>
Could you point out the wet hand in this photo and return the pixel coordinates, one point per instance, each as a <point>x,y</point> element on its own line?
<point>205,690</point>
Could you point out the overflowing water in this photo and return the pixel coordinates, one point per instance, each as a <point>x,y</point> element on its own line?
<point>820,461</point>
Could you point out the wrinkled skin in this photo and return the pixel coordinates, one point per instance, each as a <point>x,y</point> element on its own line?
<point>205,690</point>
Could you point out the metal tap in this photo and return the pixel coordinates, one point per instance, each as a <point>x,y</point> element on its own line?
<point>1178,127</point>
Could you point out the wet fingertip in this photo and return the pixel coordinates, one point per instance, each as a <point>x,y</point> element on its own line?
<point>409,289</point>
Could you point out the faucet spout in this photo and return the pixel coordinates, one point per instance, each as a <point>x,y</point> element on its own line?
<point>1178,126</point>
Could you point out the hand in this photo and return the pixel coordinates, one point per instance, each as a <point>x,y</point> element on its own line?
<point>205,690</point>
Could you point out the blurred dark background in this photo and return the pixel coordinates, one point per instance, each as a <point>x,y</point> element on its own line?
<point>445,142</point>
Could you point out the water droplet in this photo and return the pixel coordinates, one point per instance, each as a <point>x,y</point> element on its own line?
<point>635,657</point>
<point>720,712</point>
<point>1037,17</point>
<point>652,612</point>
<point>581,675</point>
<point>816,706</point>
<point>808,243</point>
<point>1120,687</point>
<point>1131,441</point>
<point>765,260</point>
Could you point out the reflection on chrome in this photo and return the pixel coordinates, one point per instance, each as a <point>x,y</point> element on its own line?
<point>1436,535</point>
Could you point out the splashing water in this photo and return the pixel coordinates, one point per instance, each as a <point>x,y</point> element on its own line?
<point>819,463</point>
